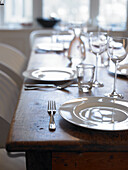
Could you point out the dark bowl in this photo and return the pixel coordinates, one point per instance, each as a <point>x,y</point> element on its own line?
<point>47,23</point>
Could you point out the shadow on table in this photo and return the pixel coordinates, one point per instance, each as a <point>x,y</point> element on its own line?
<point>95,140</point>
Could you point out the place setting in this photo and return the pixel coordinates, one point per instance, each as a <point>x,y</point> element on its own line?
<point>49,77</point>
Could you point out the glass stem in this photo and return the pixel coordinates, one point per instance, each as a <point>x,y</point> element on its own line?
<point>96,71</point>
<point>114,88</point>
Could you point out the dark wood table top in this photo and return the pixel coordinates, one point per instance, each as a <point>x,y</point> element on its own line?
<point>29,129</point>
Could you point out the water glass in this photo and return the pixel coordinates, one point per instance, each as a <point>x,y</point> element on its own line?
<point>85,77</point>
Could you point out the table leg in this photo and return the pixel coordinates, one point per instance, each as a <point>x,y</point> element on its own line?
<point>37,160</point>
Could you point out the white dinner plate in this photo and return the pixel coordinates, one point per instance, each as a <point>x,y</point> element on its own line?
<point>100,113</point>
<point>50,74</point>
<point>50,46</point>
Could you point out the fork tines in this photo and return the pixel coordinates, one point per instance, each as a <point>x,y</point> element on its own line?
<point>51,106</point>
<point>52,111</point>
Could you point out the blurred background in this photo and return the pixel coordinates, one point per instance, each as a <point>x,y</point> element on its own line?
<point>19,18</point>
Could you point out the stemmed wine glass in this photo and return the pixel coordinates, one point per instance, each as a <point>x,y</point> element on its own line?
<point>117,50</point>
<point>98,45</point>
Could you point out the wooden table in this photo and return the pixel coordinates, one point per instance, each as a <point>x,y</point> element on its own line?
<point>69,146</point>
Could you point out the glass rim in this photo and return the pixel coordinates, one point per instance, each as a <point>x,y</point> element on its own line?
<point>85,66</point>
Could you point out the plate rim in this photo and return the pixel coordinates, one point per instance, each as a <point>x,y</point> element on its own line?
<point>28,73</point>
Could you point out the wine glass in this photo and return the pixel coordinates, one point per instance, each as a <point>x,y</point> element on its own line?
<point>117,50</point>
<point>98,45</point>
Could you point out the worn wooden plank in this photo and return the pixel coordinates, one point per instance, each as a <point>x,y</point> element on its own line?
<point>90,161</point>
<point>36,160</point>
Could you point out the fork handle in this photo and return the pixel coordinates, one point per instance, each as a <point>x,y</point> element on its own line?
<point>52,125</point>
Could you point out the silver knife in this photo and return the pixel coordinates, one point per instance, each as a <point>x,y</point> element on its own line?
<point>37,86</point>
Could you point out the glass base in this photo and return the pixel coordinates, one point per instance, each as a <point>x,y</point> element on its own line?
<point>114,95</point>
<point>97,84</point>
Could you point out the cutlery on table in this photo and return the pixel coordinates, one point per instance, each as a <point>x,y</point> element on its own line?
<point>51,112</point>
<point>38,86</point>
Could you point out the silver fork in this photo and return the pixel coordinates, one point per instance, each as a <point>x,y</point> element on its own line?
<point>52,111</point>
